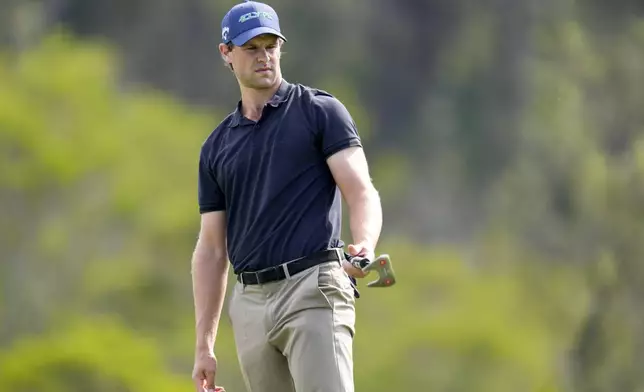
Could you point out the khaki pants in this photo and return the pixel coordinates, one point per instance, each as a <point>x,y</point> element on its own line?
<point>296,335</point>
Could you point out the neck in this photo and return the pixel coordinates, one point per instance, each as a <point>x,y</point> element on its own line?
<point>254,100</point>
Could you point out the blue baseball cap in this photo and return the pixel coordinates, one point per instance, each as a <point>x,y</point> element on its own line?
<point>247,20</point>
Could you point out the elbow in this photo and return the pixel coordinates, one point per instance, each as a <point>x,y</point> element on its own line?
<point>208,264</point>
<point>210,255</point>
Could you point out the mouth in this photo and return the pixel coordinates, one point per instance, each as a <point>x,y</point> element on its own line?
<point>266,69</point>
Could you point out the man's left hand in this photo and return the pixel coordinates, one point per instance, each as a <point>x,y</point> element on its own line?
<point>360,250</point>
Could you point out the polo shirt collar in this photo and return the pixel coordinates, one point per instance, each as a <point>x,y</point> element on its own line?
<point>280,96</point>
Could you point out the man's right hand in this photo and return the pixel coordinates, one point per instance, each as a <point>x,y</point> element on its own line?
<point>209,278</point>
<point>204,371</point>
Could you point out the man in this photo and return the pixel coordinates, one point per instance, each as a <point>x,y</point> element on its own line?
<point>271,178</point>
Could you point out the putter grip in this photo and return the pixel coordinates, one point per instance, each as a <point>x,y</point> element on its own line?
<point>360,262</point>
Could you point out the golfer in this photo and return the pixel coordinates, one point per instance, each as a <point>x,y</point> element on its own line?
<point>271,180</point>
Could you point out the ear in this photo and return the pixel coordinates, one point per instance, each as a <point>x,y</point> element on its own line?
<point>225,53</point>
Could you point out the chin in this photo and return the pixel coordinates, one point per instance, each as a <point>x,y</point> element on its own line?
<point>263,82</point>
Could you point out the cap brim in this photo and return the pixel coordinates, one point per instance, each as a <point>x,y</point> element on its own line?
<point>252,33</point>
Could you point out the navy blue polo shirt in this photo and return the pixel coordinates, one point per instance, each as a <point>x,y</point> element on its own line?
<point>272,179</point>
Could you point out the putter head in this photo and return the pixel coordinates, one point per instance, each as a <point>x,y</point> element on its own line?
<point>381,265</point>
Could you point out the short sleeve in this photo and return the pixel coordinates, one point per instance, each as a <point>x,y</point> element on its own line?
<point>336,127</point>
<point>210,196</point>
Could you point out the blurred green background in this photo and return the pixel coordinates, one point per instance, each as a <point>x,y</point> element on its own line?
<point>506,138</point>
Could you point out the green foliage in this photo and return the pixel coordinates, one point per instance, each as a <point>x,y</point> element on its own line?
<point>98,190</point>
<point>98,354</point>
<point>466,325</point>
<point>574,193</point>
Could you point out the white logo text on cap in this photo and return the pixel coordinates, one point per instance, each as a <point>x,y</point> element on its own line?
<point>254,15</point>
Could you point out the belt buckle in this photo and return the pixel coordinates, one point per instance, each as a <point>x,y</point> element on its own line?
<point>241,276</point>
<point>275,269</point>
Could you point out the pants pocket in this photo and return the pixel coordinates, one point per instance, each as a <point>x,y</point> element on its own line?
<point>335,286</point>
<point>334,283</point>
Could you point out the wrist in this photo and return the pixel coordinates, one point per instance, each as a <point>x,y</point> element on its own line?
<point>204,350</point>
<point>362,249</point>
<point>206,345</point>
<point>366,247</point>
<point>365,243</point>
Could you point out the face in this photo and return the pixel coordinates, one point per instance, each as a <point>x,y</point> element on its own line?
<point>256,64</point>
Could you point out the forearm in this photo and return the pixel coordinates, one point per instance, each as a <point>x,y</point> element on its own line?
<point>365,217</point>
<point>209,278</point>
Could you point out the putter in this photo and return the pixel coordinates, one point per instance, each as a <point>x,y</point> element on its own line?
<point>382,265</point>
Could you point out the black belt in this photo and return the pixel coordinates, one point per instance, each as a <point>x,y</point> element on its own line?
<point>293,267</point>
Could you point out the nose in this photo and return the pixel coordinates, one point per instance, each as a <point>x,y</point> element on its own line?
<point>263,55</point>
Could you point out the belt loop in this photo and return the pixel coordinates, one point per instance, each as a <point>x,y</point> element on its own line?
<point>285,268</point>
<point>340,255</point>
